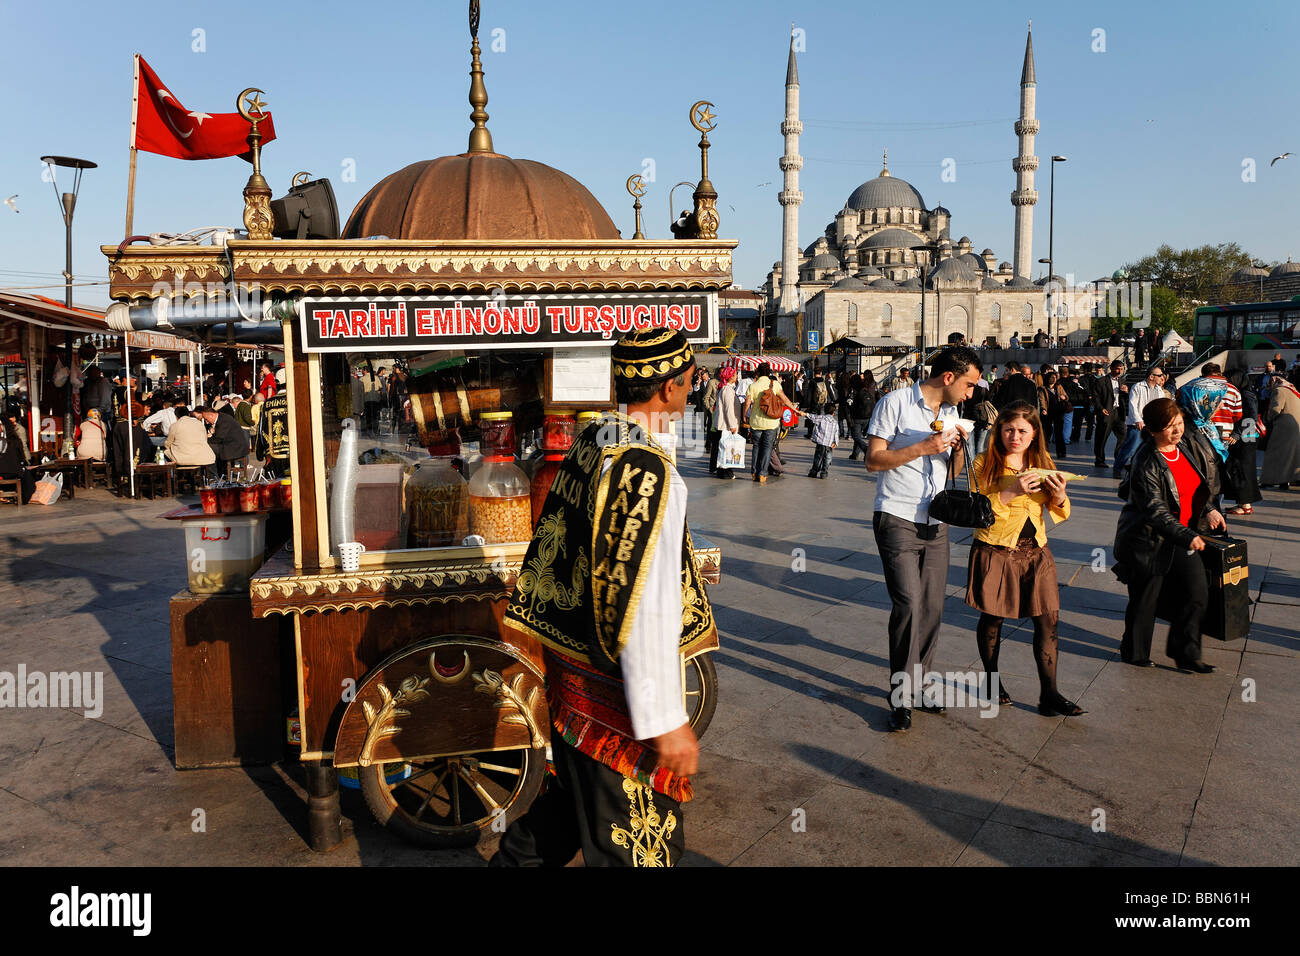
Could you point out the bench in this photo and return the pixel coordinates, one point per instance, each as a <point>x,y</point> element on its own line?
<point>14,487</point>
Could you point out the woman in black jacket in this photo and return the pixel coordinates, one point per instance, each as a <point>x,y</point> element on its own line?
<point>1169,490</point>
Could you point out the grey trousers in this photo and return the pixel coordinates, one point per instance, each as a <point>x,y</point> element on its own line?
<point>915,558</point>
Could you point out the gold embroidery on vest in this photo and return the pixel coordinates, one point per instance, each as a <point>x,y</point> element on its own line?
<point>538,580</point>
<point>647,834</point>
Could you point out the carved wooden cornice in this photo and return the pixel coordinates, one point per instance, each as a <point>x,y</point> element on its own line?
<point>277,590</point>
<point>397,266</point>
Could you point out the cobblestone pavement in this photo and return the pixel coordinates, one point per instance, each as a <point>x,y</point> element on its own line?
<point>797,767</point>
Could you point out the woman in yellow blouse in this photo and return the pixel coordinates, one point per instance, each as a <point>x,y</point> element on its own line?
<point>1012,573</point>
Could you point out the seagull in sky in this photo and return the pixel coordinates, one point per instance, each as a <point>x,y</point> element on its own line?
<point>10,202</point>
<point>761,185</point>
<point>1276,158</point>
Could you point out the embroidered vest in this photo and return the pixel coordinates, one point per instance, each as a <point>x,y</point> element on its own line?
<point>582,581</point>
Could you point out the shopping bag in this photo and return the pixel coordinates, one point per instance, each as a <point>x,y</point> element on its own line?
<point>48,489</point>
<point>731,451</point>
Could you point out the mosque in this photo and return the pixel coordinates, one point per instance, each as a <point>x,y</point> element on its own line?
<point>866,277</point>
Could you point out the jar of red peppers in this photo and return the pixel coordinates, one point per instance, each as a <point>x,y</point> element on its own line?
<point>498,434</point>
<point>541,483</point>
<point>559,430</point>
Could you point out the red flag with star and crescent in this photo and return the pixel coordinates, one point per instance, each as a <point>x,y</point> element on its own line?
<point>162,125</point>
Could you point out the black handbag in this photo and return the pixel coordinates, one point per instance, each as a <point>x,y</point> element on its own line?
<point>963,509</point>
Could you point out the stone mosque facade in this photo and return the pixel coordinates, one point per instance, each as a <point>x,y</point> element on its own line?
<point>863,277</point>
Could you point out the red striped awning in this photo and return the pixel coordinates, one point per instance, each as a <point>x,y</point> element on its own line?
<point>749,363</point>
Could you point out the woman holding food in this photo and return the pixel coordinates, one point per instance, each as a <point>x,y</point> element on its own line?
<point>1012,573</point>
<point>1169,499</point>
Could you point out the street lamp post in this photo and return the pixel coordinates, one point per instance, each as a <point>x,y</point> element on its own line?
<point>672,216</point>
<point>67,206</point>
<point>930,249</point>
<point>1051,235</point>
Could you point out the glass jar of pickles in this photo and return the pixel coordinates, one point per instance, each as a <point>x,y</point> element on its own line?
<point>498,434</point>
<point>437,505</point>
<point>541,484</point>
<point>500,506</point>
<point>559,430</point>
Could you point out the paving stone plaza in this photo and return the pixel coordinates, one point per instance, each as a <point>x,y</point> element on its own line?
<point>798,767</point>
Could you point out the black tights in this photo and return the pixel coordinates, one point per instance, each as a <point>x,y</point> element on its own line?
<point>988,636</point>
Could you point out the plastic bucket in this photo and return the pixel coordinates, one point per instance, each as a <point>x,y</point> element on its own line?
<point>223,551</point>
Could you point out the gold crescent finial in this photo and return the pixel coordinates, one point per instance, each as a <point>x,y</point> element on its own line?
<point>636,188</point>
<point>251,106</point>
<point>701,116</point>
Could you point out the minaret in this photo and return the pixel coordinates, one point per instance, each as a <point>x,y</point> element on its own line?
<point>790,197</point>
<point>1024,164</point>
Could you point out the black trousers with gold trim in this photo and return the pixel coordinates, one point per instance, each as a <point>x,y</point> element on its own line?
<point>586,806</point>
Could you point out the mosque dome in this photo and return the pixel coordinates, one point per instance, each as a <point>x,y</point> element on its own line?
<point>975,261</point>
<point>1286,268</point>
<point>991,284</point>
<point>912,283</point>
<point>849,282</point>
<point>1248,273</point>
<point>869,272</point>
<point>955,270</point>
<point>1019,282</point>
<point>884,284</point>
<point>892,239</point>
<point>823,260</point>
<point>885,192</point>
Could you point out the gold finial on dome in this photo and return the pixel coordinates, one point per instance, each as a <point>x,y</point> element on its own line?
<point>884,163</point>
<point>480,139</point>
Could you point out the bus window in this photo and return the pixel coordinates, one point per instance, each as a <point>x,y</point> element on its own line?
<point>1290,326</point>
<point>1204,324</point>
<point>1220,331</point>
<point>1263,323</point>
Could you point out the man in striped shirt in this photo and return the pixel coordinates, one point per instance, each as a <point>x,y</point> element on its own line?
<point>1228,413</point>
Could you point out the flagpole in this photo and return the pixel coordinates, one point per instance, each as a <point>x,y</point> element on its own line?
<point>130,182</point>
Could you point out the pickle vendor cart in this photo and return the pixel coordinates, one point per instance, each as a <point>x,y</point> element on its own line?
<point>491,289</point>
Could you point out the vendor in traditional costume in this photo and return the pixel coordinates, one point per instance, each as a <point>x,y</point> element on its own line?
<point>610,588</point>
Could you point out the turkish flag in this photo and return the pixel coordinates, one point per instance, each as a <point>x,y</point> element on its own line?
<point>162,125</point>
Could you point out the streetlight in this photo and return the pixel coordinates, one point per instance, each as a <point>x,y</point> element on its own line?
<point>931,248</point>
<point>1051,231</point>
<point>67,205</point>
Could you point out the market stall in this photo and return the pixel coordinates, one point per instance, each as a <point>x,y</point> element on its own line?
<point>492,307</point>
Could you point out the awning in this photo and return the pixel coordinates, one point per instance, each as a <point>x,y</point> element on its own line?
<point>748,363</point>
<point>47,313</point>
<point>849,344</point>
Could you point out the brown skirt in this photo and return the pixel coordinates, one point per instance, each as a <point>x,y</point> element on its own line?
<point>1012,582</point>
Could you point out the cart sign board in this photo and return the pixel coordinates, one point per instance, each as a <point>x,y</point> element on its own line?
<point>519,321</point>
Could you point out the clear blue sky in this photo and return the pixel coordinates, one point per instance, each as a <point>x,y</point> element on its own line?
<point>1156,127</point>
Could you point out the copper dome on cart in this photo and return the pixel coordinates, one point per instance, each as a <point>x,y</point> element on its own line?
<point>480,195</point>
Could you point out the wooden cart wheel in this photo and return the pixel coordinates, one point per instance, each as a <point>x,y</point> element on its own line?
<point>451,801</point>
<point>701,692</point>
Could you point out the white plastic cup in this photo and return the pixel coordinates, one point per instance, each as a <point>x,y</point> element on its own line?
<point>350,552</point>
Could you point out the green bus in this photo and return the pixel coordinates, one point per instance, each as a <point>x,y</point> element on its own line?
<point>1248,325</point>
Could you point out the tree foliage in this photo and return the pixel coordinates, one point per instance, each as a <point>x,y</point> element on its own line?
<point>1183,280</point>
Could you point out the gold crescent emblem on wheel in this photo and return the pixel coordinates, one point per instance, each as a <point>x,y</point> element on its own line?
<point>701,116</point>
<point>447,675</point>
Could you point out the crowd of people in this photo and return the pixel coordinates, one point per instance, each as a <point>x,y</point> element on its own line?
<point>125,421</point>
<point>1177,453</point>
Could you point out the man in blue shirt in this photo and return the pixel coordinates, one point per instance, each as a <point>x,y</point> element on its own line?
<point>912,459</point>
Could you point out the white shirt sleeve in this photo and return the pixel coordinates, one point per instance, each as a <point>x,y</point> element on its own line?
<point>651,661</point>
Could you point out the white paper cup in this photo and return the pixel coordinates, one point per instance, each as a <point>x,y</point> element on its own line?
<point>350,553</point>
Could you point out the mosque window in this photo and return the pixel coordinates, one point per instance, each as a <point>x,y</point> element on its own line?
<point>995,313</point>
<point>853,318</point>
<point>917,315</point>
<point>886,313</point>
<point>1027,313</point>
